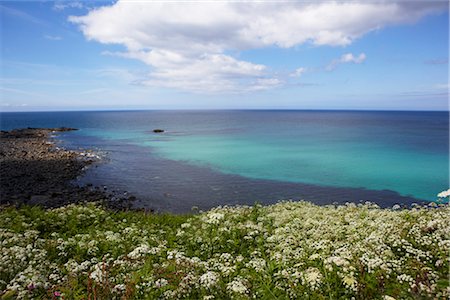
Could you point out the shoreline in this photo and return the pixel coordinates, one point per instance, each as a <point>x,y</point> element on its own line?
<point>35,171</point>
<point>207,188</point>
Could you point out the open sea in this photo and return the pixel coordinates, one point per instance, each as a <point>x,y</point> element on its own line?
<point>210,158</point>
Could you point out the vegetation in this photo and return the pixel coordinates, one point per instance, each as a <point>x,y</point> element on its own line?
<point>284,251</point>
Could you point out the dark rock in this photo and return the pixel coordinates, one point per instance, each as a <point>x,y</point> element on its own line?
<point>40,200</point>
<point>158,130</point>
<point>34,171</point>
<point>63,129</point>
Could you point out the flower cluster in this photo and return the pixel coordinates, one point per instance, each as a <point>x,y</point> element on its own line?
<point>286,250</point>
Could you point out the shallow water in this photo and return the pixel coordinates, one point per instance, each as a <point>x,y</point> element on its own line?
<point>207,158</point>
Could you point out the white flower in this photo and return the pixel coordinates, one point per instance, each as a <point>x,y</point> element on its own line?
<point>312,277</point>
<point>209,279</point>
<point>396,207</point>
<point>185,225</point>
<point>405,278</point>
<point>97,273</point>
<point>119,288</point>
<point>350,282</point>
<point>444,194</point>
<point>139,252</point>
<point>258,264</point>
<point>161,283</point>
<point>214,218</point>
<point>338,261</point>
<point>237,286</point>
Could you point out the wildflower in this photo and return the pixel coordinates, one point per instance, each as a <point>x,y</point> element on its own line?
<point>312,277</point>
<point>139,252</point>
<point>444,194</point>
<point>396,207</point>
<point>185,225</point>
<point>405,278</point>
<point>119,288</point>
<point>97,274</point>
<point>291,239</point>
<point>209,279</point>
<point>350,282</point>
<point>258,264</point>
<point>161,283</point>
<point>338,261</point>
<point>237,286</point>
<point>214,218</point>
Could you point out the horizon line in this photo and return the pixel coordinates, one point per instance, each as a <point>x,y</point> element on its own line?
<point>222,109</point>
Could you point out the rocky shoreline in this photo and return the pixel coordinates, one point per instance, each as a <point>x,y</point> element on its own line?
<point>34,171</point>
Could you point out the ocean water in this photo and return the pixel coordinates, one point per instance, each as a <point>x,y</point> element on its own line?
<point>207,158</point>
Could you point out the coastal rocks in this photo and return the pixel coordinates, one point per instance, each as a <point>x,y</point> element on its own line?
<point>40,200</point>
<point>158,130</point>
<point>31,132</point>
<point>35,172</point>
<point>62,129</point>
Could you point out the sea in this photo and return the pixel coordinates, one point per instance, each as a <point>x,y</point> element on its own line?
<point>207,158</point>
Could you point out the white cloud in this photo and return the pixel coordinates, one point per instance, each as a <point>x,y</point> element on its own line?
<point>350,58</point>
<point>298,72</point>
<point>345,59</point>
<point>62,5</point>
<point>207,73</point>
<point>188,44</point>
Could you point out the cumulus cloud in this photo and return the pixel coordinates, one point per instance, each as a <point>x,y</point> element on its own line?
<point>350,58</point>
<point>188,44</point>
<point>345,59</point>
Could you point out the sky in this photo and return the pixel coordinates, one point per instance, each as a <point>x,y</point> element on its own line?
<point>90,55</point>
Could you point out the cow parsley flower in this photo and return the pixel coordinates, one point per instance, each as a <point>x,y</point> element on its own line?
<point>162,282</point>
<point>214,218</point>
<point>237,286</point>
<point>312,277</point>
<point>139,252</point>
<point>444,194</point>
<point>209,279</point>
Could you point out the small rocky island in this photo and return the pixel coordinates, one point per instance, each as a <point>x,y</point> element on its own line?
<point>34,171</point>
<point>158,130</point>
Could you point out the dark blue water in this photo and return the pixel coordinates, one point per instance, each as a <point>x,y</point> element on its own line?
<point>207,158</point>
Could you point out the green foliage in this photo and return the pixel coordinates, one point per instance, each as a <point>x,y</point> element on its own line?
<point>284,251</point>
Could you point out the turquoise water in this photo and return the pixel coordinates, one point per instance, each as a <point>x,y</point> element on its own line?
<point>405,152</point>
<point>333,163</point>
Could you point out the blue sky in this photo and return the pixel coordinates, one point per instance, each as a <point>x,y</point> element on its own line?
<point>211,55</point>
